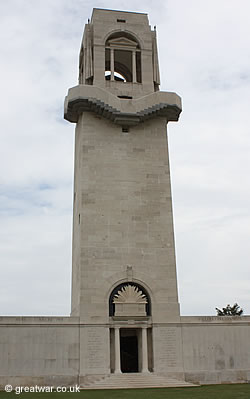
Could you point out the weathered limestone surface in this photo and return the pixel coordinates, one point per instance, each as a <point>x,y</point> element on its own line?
<point>123,198</point>
<point>167,341</point>
<point>121,111</point>
<point>94,350</point>
<point>41,349</point>
<point>107,22</point>
<point>46,351</point>
<point>216,349</point>
<point>122,236</point>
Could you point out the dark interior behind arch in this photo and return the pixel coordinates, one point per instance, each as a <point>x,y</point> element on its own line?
<point>118,288</point>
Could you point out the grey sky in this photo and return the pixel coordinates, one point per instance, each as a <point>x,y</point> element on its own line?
<point>205,57</point>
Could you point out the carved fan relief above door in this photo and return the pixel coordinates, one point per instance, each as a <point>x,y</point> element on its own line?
<point>130,301</point>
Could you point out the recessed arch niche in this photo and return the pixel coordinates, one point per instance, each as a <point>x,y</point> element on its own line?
<point>129,293</point>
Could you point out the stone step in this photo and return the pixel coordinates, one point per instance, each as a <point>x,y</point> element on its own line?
<point>135,380</point>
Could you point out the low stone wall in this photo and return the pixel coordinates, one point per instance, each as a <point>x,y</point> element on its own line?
<point>39,350</point>
<point>47,350</point>
<point>216,349</point>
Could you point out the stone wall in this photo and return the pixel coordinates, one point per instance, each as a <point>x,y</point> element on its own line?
<point>216,349</point>
<point>46,350</point>
<point>167,349</point>
<point>123,197</point>
<point>41,350</point>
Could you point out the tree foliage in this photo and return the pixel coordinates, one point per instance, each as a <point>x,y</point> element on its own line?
<point>229,310</point>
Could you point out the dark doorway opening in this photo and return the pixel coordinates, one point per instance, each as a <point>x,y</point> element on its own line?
<point>129,352</point>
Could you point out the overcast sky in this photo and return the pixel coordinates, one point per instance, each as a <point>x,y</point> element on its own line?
<point>204,52</point>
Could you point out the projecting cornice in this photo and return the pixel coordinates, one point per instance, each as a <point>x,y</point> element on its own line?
<point>121,111</point>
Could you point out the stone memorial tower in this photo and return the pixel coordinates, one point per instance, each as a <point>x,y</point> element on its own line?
<point>125,328</point>
<point>124,287</point>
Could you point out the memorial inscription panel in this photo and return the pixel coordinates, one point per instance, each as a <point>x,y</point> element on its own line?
<point>94,356</point>
<point>166,340</point>
<point>95,343</point>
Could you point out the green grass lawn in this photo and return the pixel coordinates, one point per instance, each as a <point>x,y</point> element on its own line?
<point>235,391</point>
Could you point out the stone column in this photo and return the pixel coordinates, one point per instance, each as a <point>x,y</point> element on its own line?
<point>112,64</point>
<point>117,351</point>
<point>144,350</point>
<point>134,65</point>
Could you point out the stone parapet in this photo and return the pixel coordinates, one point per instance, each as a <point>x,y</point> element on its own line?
<point>122,111</point>
<point>38,320</point>
<point>245,320</point>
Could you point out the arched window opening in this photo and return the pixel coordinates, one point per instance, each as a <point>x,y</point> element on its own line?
<point>123,57</point>
<point>129,293</point>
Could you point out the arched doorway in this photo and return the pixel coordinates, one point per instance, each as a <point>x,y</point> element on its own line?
<point>130,332</point>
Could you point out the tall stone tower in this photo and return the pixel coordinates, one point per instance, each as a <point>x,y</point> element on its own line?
<point>124,287</point>
<point>125,329</point>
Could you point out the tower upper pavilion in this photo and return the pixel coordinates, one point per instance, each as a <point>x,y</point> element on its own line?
<point>122,45</point>
<point>119,61</point>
